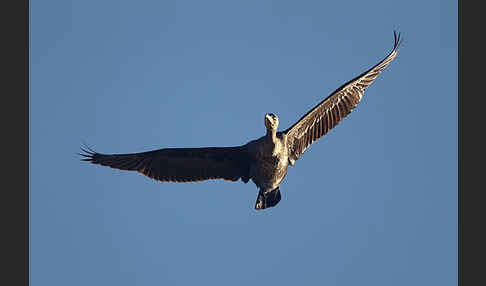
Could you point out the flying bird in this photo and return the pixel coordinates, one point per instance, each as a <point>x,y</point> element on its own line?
<point>265,160</point>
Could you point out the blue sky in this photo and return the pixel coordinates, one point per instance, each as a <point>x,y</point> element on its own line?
<point>374,202</point>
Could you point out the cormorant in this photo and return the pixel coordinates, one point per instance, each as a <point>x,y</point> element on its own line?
<point>264,160</point>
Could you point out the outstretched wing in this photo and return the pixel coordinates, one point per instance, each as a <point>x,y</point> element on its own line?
<point>327,114</point>
<point>180,164</point>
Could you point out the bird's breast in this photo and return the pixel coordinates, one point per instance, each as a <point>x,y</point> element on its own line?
<point>270,166</point>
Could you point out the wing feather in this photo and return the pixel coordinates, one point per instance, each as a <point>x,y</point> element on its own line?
<point>329,112</point>
<point>180,164</point>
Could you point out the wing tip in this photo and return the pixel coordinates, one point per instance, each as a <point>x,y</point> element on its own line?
<point>88,154</point>
<point>398,39</point>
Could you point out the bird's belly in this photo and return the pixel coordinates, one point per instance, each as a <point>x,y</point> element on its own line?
<point>269,172</point>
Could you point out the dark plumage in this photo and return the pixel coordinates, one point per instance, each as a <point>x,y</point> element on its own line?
<point>264,160</point>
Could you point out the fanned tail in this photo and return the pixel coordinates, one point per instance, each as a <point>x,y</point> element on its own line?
<point>268,200</point>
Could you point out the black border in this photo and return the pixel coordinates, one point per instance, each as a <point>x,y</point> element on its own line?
<point>472,240</point>
<point>14,117</point>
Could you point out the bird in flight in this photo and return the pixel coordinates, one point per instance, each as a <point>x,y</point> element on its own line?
<point>265,160</point>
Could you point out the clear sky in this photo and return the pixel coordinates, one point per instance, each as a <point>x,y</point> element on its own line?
<point>374,202</point>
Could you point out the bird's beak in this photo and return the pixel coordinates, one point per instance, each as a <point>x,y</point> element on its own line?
<point>268,117</point>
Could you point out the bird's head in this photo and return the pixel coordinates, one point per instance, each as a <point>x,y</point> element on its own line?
<point>271,121</point>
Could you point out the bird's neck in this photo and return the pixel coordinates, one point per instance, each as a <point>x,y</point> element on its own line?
<point>272,134</point>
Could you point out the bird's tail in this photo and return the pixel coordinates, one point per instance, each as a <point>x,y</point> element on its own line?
<point>268,199</point>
